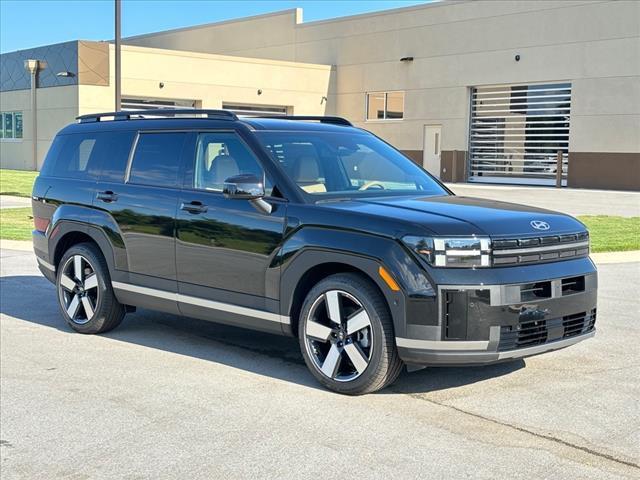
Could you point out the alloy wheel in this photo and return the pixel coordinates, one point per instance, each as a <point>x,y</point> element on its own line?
<point>339,336</point>
<point>78,289</point>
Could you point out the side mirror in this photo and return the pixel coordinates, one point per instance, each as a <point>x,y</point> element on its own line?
<point>247,187</point>
<point>243,187</point>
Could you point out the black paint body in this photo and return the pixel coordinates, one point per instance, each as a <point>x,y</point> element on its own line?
<point>236,255</point>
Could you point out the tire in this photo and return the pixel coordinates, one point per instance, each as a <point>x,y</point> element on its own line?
<point>358,355</point>
<point>86,300</point>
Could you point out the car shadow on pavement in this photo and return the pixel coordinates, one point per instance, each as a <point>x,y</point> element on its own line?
<point>243,349</point>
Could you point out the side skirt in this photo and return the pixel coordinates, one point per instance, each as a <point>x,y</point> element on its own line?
<point>201,308</point>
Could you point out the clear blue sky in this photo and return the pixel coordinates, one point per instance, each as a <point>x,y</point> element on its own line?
<point>30,23</point>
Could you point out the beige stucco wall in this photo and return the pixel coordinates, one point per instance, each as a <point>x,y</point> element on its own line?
<point>56,106</point>
<point>212,79</point>
<point>207,79</point>
<point>456,45</point>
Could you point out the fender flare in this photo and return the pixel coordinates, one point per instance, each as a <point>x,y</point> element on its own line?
<point>310,247</point>
<point>96,224</point>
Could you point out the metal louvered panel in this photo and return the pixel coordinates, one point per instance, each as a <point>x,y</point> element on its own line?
<point>516,132</point>
<point>255,110</point>
<point>129,104</point>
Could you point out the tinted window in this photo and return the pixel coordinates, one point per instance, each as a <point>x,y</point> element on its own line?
<point>220,156</point>
<point>157,159</point>
<point>346,163</point>
<point>75,156</point>
<point>114,162</point>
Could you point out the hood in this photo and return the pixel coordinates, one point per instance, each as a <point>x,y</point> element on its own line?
<point>443,215</point>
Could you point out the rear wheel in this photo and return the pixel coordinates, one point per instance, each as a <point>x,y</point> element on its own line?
<point>346,335</point>
<point>85,295</point>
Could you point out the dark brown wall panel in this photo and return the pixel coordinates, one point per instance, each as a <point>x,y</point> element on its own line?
<point>615,171</point>
<point>453,166</point>
<point>414,155</point>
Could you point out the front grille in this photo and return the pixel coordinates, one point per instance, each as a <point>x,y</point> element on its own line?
<point>551,248</point>
<point>530,333</point>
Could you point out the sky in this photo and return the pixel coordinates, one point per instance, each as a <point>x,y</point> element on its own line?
<point>32,23</point>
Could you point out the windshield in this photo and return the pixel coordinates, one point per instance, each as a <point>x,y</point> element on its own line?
<point>331,163</point>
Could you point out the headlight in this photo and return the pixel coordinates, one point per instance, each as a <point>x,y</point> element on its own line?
<point>462,252</point>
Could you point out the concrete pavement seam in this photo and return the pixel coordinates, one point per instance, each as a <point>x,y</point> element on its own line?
<point>525,430</point>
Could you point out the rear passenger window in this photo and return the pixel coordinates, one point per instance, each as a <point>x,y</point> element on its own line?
<point>156,160</point>
<point>116,156</point>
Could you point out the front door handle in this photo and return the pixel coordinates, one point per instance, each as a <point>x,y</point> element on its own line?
<point>107,196</point>
<point>194,207</point>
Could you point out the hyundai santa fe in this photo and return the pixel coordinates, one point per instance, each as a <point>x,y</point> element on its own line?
<point>308,227</point>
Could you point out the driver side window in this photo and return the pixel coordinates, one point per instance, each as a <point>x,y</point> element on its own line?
<point>220,155</point>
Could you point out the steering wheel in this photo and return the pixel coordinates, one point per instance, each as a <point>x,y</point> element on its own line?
<point>372,184</point>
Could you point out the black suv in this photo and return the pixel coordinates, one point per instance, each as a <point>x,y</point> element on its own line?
<point>303,226</point>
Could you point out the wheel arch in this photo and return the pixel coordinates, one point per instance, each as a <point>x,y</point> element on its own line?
<point>313,265</point>
<point>72,224</point>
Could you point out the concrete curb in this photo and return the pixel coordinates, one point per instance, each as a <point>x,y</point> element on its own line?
<point>616,257</point>
<point>598,258</point>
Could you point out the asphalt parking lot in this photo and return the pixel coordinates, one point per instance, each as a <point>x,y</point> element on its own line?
<point>165,397</point>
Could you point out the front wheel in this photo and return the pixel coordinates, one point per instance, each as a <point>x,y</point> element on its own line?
<point>346,335</point>
<point>85,295</point>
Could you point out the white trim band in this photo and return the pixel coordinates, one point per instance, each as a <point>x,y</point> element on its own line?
<point>202,302</point>
<point>46,265</point>
<point>441,345</point>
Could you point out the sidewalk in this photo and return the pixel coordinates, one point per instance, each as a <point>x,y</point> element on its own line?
<point>574,201</point>
<point>8,201</point>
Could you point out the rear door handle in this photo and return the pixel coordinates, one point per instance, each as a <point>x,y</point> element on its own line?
<point>107,196</point>
<point>194,207</point>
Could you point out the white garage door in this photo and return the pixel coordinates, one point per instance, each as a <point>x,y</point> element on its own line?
<point>516,132</point>
<point>153,103</point>
<point>255,110</point>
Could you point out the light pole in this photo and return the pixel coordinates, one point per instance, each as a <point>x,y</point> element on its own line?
<point>32,66</point>
<point>118,72</point>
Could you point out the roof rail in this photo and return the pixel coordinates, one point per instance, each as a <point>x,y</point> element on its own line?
<point>157,112</point>
<point>319,118</point>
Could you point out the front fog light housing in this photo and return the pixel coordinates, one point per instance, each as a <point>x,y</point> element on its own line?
<point>453,252</point>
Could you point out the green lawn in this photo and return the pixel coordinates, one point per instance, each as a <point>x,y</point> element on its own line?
<point>16,182</point>
<point>16,223</point>
<point>613,234</point>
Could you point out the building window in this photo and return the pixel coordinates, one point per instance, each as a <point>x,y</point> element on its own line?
<point>11,125</point>
<point>385,105</point>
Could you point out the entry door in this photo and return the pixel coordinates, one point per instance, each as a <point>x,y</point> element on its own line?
<point>225,248</point>
<point>431,149</point>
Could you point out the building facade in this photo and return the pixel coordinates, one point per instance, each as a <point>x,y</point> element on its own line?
<point>481,91</point>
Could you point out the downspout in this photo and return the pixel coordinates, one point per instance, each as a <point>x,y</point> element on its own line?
<point>33,66</point>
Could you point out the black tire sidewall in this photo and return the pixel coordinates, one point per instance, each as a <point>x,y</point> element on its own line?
<point>106,298</point>
<point>362,290</point>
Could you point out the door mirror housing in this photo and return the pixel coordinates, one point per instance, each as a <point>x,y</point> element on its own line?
<point>247,187</point>
<point>243,187</point>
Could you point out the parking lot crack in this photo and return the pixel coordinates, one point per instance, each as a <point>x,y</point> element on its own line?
<point>550,438</point>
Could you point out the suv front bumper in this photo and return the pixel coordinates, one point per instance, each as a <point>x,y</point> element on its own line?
<point>415,352</point>
<point>481,324</point>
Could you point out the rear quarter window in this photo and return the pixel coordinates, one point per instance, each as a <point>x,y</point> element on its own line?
<point>87,156</point>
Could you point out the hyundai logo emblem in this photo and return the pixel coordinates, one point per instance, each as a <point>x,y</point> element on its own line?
<point>540,225</point>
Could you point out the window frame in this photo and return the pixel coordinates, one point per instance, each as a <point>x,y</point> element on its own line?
<point>189,174</point>
<point>386,94</point>
<point>13,138</point>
